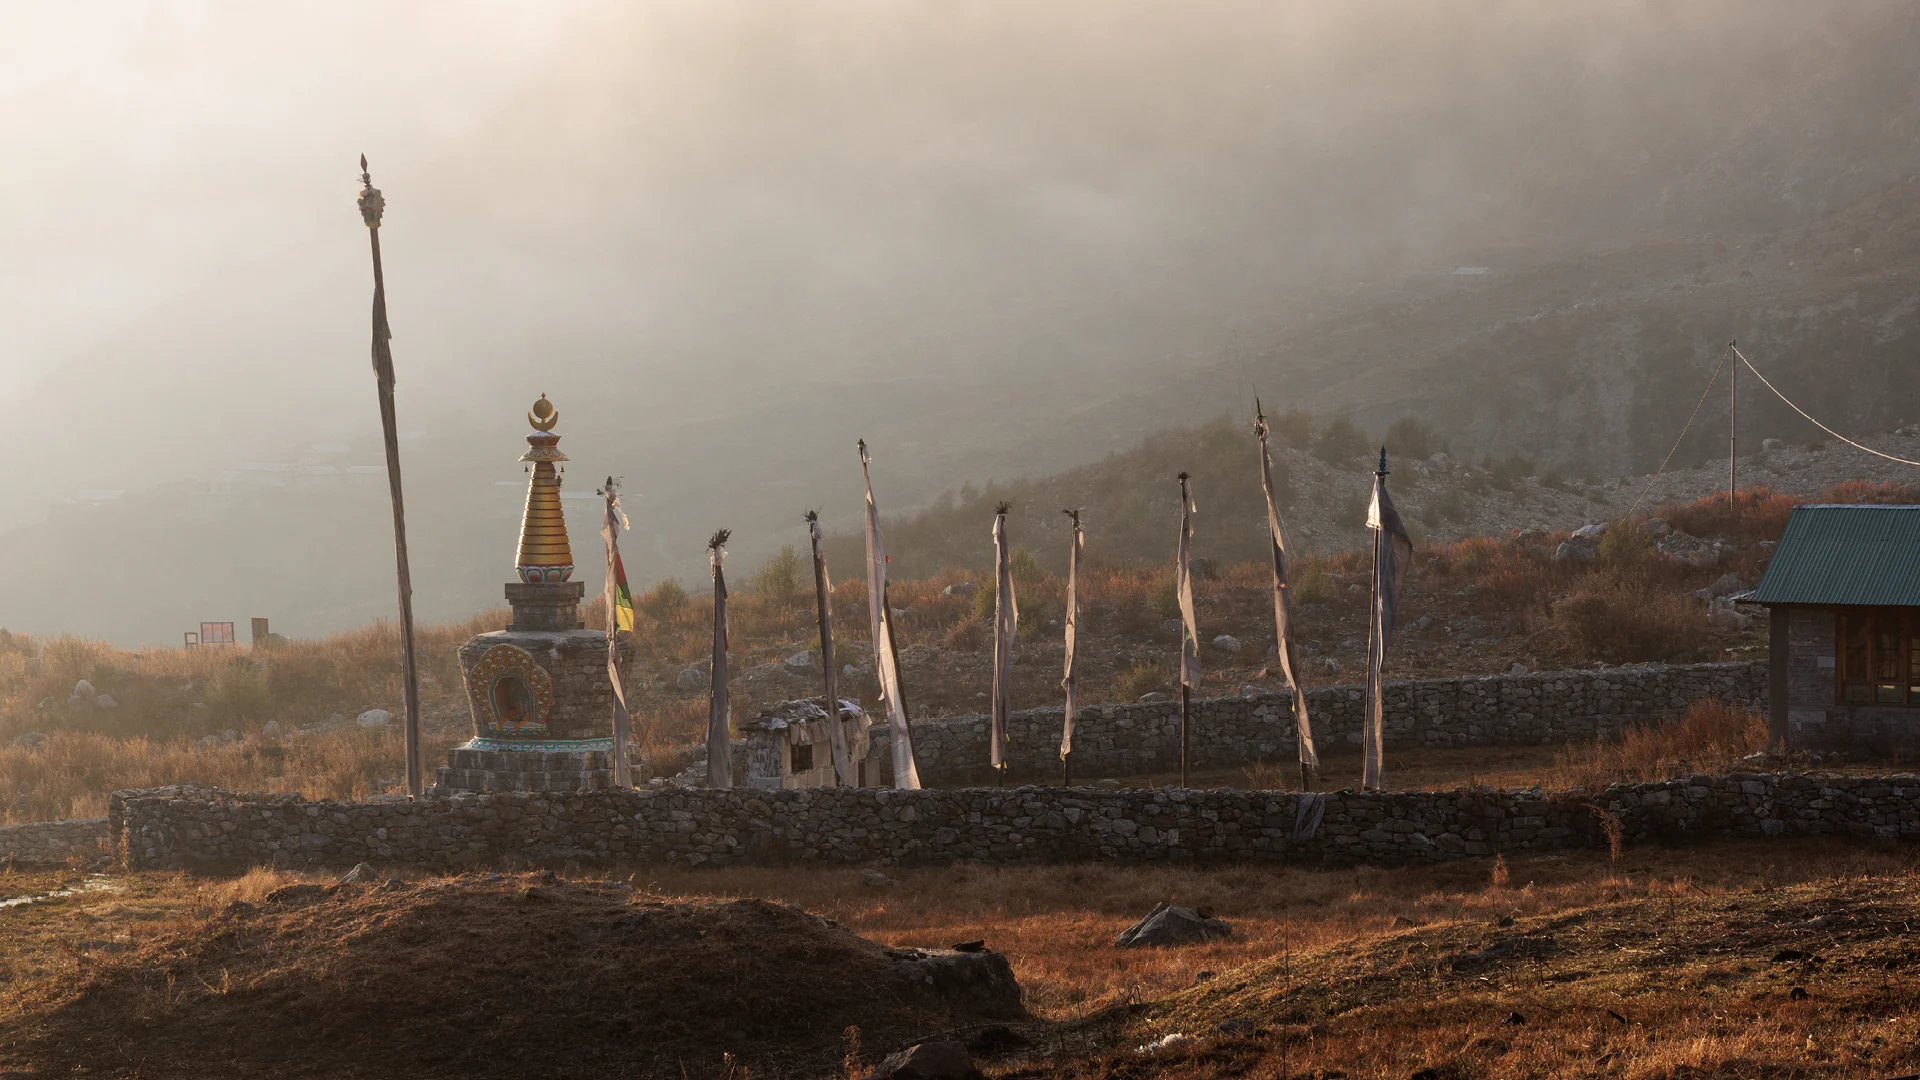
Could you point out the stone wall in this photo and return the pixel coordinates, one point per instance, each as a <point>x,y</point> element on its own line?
<point>1815,719</point>
<point>1484,710</point>
<point>53,841</point>
<point>201,828</point>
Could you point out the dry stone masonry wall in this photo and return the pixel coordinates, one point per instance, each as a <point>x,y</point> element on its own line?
<point>202,828</point>
<point>1488,710</point>
<point>53,841</point>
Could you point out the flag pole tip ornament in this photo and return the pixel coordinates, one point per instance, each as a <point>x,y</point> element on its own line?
<point>372,203</point>
<point>545,556</point>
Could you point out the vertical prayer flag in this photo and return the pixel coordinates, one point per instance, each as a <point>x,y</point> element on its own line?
<point>1183,584</point>
<point>1283,606</point>
<point>719,757</point>
<point>619,617</point>
<point>1392,553</point>
<point>844,770</point>
<point>1070,677</point>
<point>886,661</point>
<point>1189,630</point>
<point>1006,623</point>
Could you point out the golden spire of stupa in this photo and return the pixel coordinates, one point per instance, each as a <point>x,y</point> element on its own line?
<point>544,553</point>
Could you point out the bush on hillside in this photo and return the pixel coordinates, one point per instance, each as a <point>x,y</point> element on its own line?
<point>1411,439</point>
<point>782,578</point>
<point>1340,441</point>
<point>1508,471</point>
<point>1295,428</point>
<point>665,601</point>
<point>1617,617</point>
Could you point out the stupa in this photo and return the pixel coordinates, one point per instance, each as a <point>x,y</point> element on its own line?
<point>542,706</point>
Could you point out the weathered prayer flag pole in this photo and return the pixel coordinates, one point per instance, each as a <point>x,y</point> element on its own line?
<point>1006,623</point>
<point>1283,607</point>
<point>886,659</point>
<point>619,617</point>
<point>1070,678</point>
<point>1392,552</point>
<point>372,206</point>
<point>1189,632</point>
<point>843,767</point>
<point>719,759</point>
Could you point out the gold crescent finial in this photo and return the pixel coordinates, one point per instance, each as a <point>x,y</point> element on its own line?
<point>544,415</point>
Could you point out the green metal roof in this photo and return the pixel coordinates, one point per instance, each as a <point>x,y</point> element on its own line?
<point>1846,555</point>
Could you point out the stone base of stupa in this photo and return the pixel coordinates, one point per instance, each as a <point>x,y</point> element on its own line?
<point>571,765</point>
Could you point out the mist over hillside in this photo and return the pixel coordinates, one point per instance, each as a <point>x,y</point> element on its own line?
<point>993,241</point>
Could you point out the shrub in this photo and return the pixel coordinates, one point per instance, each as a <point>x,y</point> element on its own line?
<point>1712,735</point>
<point>1341,440</point>
<point>1165,600</point>
<point>1449,505</point>
<point>1144,679</point>
<point>1508,471</point>
<point>237,693</point>
<point>666,600</point>
<point>1620,618</point>
<point>781,579</point>
<point>1410,439</point>
<point>1295,428</point>
<point>1352,511</point>
<point>969,635</point>
<point>1756,514</point>
<point>985,599</point>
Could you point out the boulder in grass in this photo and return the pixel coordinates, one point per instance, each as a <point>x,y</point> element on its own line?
<point>374,718</point>
<point>928,1061</point>
<point>361,874</point>
<point>1170,925</point>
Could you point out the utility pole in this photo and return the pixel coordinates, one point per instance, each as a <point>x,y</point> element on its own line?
<point>1733,432</point>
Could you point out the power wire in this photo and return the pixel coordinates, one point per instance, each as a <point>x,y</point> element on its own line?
<point>1683,434</point>
<point>1811,420</point>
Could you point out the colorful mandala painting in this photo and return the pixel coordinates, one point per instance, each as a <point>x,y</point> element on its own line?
<point>511,692</point>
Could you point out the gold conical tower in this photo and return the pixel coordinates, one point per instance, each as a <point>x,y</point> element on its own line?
<point>544,553</point>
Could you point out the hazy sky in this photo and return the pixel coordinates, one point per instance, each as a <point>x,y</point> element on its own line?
<point>728,238</point>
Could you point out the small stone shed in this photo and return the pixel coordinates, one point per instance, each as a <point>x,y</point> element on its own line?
<point>1843,589</point>
<point>788,746</point>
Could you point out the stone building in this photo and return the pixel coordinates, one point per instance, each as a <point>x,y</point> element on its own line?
<point>538,690</point>
<point>1843,588</point>
<point>788,746</point>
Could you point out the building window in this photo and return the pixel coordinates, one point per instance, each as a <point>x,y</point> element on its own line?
<point>802,760</point>
<point>1879,658</point>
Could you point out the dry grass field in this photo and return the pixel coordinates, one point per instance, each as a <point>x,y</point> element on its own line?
<point>1738,960</point>
<point>282,718</point>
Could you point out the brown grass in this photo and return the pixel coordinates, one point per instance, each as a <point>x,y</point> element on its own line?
<point>1350,953</point>
<point>1619,617</point>
<point>1711,736</point>
<point>71,774</point>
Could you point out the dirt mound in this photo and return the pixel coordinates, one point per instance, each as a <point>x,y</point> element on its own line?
<point>1808,980</point>
<point>502,976</point>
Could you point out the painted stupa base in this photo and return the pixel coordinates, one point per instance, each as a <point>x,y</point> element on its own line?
<point>542,706</point>
<point>555,765</point>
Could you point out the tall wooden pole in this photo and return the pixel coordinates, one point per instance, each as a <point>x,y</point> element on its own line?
<point>371,207</point>
<point>1733,435</point>
<point>846,771</point>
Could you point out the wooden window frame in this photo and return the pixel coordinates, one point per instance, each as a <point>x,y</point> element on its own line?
<point>1905,649</point>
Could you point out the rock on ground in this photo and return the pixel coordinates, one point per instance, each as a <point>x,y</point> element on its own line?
<point>1169,925</point>
<point>927,1061</point>
<point>979,983</point>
